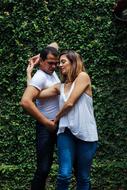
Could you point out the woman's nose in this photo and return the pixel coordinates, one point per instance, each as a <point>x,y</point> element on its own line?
<point>60,64</point>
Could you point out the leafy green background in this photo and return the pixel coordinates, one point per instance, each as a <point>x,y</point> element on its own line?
<point>89,27</point>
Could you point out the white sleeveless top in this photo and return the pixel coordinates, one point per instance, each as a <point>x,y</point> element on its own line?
<point>80,120</point>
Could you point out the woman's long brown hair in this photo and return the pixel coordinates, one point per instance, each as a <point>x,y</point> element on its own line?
<point>77,66</point>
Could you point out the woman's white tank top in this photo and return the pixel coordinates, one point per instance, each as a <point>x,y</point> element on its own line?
<point>80,119</point>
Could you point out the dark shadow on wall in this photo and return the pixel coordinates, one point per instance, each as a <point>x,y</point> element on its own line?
<point>120,10</point>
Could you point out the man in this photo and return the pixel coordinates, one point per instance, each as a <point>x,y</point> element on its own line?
<point>44,112</point>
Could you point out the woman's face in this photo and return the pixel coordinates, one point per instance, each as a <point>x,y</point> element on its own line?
<point>64,65</point>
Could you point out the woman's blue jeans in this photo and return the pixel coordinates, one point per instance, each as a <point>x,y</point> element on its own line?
<point>74,151</point>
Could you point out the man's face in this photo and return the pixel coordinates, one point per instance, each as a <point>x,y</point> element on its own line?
<point>49,65</point>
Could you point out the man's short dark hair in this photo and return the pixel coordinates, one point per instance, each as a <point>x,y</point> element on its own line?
<point>48,50</point>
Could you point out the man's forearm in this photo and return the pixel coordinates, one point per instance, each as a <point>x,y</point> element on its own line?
<point>30,107</point>
<point>27,102</point>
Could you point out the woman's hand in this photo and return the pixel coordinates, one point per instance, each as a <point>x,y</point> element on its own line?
<point>56,119</point>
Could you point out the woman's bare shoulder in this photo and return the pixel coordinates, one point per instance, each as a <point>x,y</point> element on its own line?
<point>83,75</point>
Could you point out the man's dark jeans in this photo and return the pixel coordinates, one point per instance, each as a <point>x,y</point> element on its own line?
<point>45,141</point>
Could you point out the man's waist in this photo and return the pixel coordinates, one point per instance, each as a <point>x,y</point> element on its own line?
<point>49,114</point>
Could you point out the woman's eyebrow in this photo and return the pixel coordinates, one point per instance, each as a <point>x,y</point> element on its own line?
<point>63,60</point>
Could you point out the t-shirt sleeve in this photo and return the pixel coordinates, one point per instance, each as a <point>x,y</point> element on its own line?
<point>38,80</point>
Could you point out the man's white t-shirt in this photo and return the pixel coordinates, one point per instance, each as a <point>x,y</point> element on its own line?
<point>41,80</point>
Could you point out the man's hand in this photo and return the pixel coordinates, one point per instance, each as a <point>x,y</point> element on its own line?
<point>51,125</point>
<point>29,72</point>
<point>35,59</point>
<point>30,68</point>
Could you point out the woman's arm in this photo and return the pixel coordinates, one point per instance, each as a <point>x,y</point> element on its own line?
<point>82,83</point>
<point>50,92</point>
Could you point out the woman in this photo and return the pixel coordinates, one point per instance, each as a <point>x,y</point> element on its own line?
<point>77,134</point>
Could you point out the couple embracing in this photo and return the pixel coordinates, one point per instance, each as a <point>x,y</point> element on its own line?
<point>64,114</point>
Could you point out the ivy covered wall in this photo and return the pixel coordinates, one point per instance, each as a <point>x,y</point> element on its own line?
<point>89,27</point>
